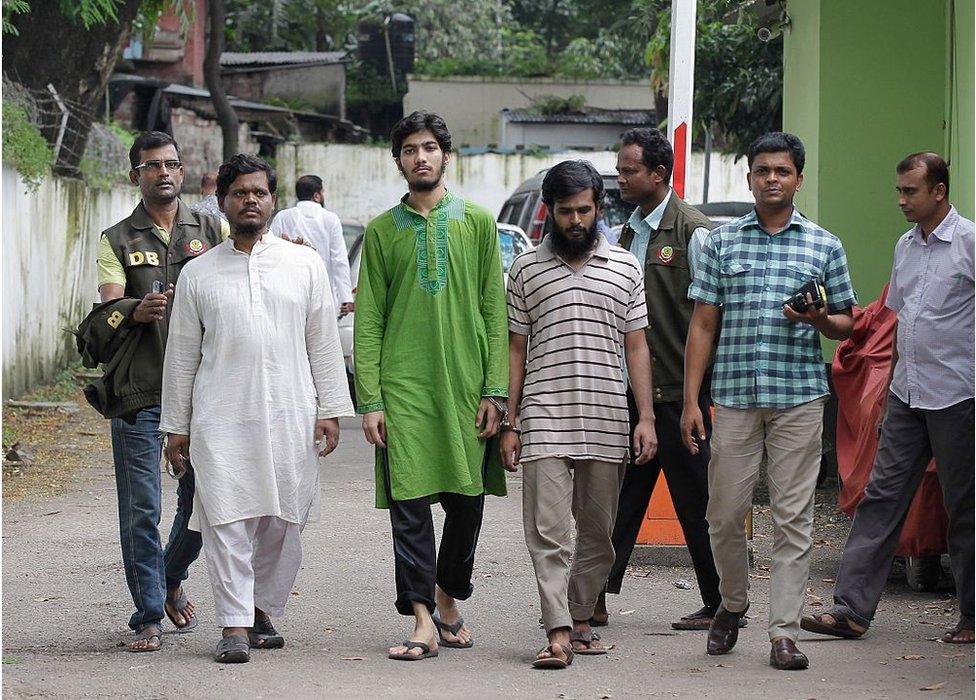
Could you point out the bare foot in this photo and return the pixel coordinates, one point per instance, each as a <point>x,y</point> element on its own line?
<point>423,631</point>
<point>958,635</point>
<point>448,611</point>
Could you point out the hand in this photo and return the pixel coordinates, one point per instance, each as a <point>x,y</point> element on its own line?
<point>692,427</point>
<point>645,441</point>
<point>178,452</point>
<point>374,428</point>
<point>326,435</point>
<point>153,307</point>
<point>511,449</point>
<point>814,316</point>
<point>347,308</point>
<point>489,417</point>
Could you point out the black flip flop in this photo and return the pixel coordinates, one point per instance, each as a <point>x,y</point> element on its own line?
<point>407,656</point>
<point>443,627</point>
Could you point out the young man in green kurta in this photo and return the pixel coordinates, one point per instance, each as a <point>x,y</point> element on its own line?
<point>431,379</point>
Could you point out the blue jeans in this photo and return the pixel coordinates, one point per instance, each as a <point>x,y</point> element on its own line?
<point>149,570</point>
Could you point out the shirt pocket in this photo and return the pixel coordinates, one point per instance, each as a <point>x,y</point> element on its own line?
<point>736,281</point>
<point>796,275</point>
<point>948,290</point>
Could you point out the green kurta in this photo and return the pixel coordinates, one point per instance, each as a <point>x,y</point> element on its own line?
<point>431,339</point>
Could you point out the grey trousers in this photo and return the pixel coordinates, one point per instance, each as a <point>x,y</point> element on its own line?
<point>554,492</point>
<point>909,439</point>
<point>790,438</point>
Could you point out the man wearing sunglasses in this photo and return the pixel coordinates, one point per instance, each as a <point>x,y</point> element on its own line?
<point>140,258</point>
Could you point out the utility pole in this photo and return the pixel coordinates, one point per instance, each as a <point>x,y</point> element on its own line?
<point>681,88</point>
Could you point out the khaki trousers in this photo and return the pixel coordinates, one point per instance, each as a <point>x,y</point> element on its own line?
<point>791,439</point>
<point>554,492</point>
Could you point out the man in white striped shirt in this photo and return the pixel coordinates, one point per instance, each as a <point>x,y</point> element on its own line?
<point>576,303</point>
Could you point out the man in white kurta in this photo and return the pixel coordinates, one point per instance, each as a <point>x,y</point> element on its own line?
<point>253,384</point>
<point>311,222</point>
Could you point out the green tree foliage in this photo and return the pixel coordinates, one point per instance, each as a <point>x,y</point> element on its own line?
<point>23,145</point>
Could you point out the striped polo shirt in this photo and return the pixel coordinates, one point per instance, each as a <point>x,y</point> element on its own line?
<point>573,399</point>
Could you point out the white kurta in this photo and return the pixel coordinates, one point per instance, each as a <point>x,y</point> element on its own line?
<point>322,229</point>
<point>253,358</point>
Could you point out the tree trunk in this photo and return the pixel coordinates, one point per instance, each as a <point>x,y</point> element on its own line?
<point>226,116</point>
<point>78,62</point>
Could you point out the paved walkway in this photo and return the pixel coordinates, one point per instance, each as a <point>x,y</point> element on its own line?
<point>65,606</point>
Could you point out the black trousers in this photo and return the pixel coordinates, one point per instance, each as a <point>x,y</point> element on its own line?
<point>418,565</point>
<point>687,477</point>
<point>910,437</point>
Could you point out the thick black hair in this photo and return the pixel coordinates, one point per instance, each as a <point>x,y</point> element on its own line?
<point>571,177</point>
<point>148,140</point>
<point>420,121</point>
<point>778,142</point>
<point>936,169</point>
<point>242,164</point>
<point>306,186</point>
<point>655,148</point>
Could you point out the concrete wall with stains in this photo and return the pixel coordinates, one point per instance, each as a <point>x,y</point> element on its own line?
<point>50,241</point>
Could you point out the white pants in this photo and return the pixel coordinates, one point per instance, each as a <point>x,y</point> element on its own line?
<point>252,563</point>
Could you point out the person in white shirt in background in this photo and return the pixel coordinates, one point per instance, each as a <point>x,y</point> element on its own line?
<point>321,229</point>
<point>253,387</point>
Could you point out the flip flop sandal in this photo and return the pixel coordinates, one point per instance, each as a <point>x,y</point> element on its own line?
<point>841,627</point>
<point>587,638</point>
<point>553,661</point>
<point>700,620</point>
<point>148,632</point>
<point>407,656</point>
<point>234,649</point>
<point>950,636</point>
<point>443,627</point>
<point>179,605</point>
<point>263,635</point>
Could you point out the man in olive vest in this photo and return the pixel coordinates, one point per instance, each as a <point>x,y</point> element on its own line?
<point>140,258</point>
<point>665,234</point>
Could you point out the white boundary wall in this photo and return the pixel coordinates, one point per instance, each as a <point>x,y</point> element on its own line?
<point>50,242</point>
<point>363,181</point>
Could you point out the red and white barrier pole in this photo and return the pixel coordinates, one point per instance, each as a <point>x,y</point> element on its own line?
<point>681,88</point>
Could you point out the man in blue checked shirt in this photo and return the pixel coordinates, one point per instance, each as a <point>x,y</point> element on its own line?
<point>769,385</point>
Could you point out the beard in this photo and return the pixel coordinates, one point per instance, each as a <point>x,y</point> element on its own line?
<point>573,248</point>
<point>426,183</point>
<point>248,229</point>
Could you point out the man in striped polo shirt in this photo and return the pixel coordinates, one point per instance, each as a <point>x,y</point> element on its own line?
<point>575,304</point>
<point>769,386</point>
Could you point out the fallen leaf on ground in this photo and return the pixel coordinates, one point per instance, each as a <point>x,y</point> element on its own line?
<point>682,584</point>
<point>912,657</point>
<point>934,686</point>
<point>353,658</point>
<point>626,612</point>
<point>829,580</point>
<point>44,600</point>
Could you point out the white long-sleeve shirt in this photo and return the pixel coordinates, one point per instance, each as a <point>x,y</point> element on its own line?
<point>322,229</point>
<point>253,359</point>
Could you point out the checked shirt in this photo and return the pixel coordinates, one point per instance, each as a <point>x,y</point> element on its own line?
<point>764,360</point>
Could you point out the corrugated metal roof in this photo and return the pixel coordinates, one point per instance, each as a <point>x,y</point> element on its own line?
<point>275,58</point>
<point>588,115</point>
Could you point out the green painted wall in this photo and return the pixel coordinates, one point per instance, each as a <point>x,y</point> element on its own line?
<point>881,94</point>
<point>963,128</point>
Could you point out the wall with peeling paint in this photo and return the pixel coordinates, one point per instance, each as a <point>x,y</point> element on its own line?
<point>50,241</point>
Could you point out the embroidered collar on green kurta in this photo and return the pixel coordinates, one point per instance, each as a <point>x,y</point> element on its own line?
<point>431,232</point>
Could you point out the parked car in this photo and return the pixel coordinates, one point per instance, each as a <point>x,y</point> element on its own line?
<point>525,208</point>
<point>512,240</point>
